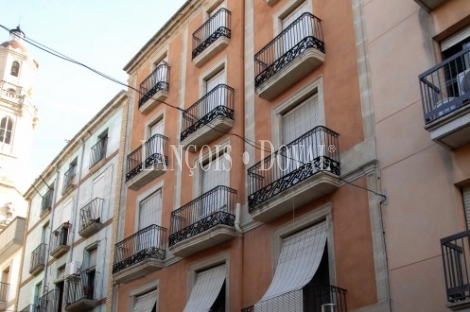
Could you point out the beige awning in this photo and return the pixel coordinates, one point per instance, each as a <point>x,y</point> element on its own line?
<point>206,289</point>
<point>145,302</point>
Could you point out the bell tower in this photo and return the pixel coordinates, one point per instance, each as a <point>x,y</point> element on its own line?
<point>18,118</point>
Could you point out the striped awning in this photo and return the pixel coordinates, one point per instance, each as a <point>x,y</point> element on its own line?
<point>299,260</point>
<point>145,302</point>
<point>206,289</point>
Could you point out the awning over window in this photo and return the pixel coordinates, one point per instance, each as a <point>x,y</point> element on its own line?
<point>299,260</point>
<point>145,302</point>
<point>206,289</point>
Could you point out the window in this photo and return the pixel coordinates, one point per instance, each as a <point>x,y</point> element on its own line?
<point>296,122</point>
<point>215,172</point>
<point>6,126</point>
<point>218,21</point>
<point>4,285</point>
<point>162,71</point>
<point>295,33</point>
<point>69,176</point>
<point>217,95</point>
<point>466,203</point>
<point>98,151</point>
<point>37,293</point>
<point>146,302</point>
<point>208,293</point>
<point>90,272</point>
<point>150,210</point>
<point>15,68</point>
<point>301,273</point>
<point>457,73</point>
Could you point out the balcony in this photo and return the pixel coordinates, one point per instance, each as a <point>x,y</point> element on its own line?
<point>98,151</point>
<point>49,302</point>
<point>46,203</point>
<point>82,293</point>
<point>147,162</point>
<point>294,53</point>
<point>90,218</point>
<point>455,257</point>
<point>212,37</point>
<point>300,172</point>
<point>38,259</point>
<point>140,254</point>
<point>4,295</point>
<point>60,240</point>
<point>208,118</point>
<point>69,179</point>
<point>445,93</point>
<point>314,298</point>
<point>12,238</point>
<point>204,222</point>
<point>429,5</point>
<point>154,88</point>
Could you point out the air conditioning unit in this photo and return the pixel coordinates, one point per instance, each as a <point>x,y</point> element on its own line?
<point>463,81</point>
<point>72,268</point>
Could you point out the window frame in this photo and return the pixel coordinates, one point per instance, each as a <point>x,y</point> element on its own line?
<point>15,65</point>
<point>6,130</point>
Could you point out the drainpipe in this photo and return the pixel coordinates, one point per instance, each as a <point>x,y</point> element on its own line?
<point>75,207</point>
<point>51,224</point>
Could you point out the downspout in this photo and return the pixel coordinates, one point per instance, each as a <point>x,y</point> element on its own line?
<point>72,221</point>
<point>51,224</point>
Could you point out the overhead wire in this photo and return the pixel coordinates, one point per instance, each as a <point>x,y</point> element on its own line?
<point>247,141</point>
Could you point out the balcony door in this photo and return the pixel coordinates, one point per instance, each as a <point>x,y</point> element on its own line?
<point>297,32</point>
<point>162,71</point>
<point>150,212</point>
<point>295,123</point>
<point>216,22</point>
<point>214,174</point>
<point>155,146</point>
<point>217,97</point>
<point>93,214</point>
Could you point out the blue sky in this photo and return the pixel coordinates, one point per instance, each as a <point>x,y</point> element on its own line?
<point>103,34</point>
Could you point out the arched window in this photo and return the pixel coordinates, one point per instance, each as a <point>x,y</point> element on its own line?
<point>6,126</point>
<point>15,69</point>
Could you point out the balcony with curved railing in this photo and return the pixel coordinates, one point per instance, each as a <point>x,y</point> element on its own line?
<point>82,292</point>
<point>60,240</point>
<point>294,53</point>
<point>147,162</point>
<point>209,118</point>
<point>204,222</point>
<point>211,37</point>
<point>445,95</point>
<point>140,254</point>
<point>299,172</point>
<point>90,221</point>
<point>154,88</point>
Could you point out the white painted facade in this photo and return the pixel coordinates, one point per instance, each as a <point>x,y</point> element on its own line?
<point>100,182</point>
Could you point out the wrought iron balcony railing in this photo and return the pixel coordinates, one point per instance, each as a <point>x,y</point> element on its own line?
<point>153,151</point>
<point>156,81</point>
<point>218,25</point>
<point>69,178</point>
<point>60,237</point>
<point>148,243</point>
<point>98,151</point>
<point>304,33</point>
<point>38,258</point>
<point>455,257</point>
<point>314,151</point>
<point>4,292</point>
<point>28,308</point>
<point>217,102</point>
<point>83,286</point>
<point>446,86</point>
<point>47,200</point>
<point>90,214</point>
<point>208,210</point>
<point>313,298</point>
<point>49,302</point>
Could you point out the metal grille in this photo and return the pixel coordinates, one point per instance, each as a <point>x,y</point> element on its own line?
<point>156,81</point>
<point>218,25</point>
<point>146,243</point>
<point>47,200</point>
<point>60,237</point>
<point>217,102</point>
<point>304,33</point>
<point>315,151</point>
<point>208,210</point>
<point>69,178</point>
<point>98,151</point>
<point>455,258</point>
<point>153,151</point>
<point>38,258</point>
<point>81,287</point>
<point>90,213</point>
<point>446,87</point>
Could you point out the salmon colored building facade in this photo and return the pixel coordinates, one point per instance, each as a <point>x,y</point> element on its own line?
<point>419,61</point>
<point>251,175</point>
